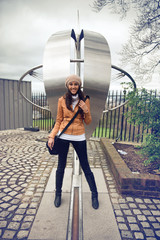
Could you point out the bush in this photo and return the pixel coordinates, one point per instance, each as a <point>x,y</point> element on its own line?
<point>151,149</point>
<point>145,109</point>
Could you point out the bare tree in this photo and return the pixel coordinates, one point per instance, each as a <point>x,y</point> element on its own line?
<point>141,52</point>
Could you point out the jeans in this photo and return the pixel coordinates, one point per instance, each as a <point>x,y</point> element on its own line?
<point>81,150</point>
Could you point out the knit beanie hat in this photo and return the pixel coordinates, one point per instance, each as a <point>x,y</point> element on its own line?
<point>72,78</point>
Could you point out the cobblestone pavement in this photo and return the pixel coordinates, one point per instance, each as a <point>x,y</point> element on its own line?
<point>25,167</point>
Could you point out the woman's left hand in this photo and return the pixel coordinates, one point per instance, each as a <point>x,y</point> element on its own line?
<point>83,106</point>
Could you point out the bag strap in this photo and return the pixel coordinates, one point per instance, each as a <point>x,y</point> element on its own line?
<point>68,124</point>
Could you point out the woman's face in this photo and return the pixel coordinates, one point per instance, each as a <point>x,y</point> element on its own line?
<point>73,87</point>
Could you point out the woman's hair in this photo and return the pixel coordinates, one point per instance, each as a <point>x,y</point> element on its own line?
<point>68,98</point>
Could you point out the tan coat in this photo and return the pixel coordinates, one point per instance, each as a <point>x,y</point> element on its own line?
<point>64,116</point>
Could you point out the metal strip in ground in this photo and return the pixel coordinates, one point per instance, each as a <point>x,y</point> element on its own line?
<point>75,221</point>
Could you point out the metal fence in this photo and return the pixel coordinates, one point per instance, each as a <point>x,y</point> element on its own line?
<point>112,124</point>
<point>15,112</point>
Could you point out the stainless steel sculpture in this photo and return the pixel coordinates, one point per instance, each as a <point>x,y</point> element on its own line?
<point>94,69</point>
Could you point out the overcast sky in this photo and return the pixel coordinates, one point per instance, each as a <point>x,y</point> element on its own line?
<point>26,25</point>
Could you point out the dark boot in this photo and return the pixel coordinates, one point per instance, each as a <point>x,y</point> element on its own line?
<point>59,181</point>
<point>95,203</point>
<point>57,201</point>
<point>93,188</point>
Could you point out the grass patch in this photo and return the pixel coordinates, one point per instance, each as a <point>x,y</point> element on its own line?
<point>43,124</point>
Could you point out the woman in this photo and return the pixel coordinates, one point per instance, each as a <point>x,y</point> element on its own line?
<point>68,105</point>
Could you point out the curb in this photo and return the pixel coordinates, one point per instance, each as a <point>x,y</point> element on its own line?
<point>145,185</point>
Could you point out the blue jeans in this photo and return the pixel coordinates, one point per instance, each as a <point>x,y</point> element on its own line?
<point>81,150</point>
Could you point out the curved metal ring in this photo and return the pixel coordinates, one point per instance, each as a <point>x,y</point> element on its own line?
<point>134,84</point>
<point>46,109</point>
<point>19,87</point>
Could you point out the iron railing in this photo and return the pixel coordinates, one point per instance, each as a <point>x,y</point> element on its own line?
<point>112,124</point>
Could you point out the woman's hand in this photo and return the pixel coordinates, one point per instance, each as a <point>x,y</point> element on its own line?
<point>50,143</point>
<point>83,106</point>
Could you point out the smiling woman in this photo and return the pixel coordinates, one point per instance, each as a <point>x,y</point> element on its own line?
<point>68,106</point>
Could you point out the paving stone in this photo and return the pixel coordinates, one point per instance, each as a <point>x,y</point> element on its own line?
<point>2,194</point>
<point>155,213</point>
<point>141,218</point>
<point>29,193</point>
<point>4,214</point>
<point>121,200</point>
<point>122,226</point>
<point>7,189</point>
<point>15,201</point>
<point>18,188</point>
<point>111,186</point>
<point>31,211</point>
<point>138,200</point>
<point>26,225</point>
<point>21,211</point>
<point>149,232</point>
<point>156,201</point>
<point>114,200</point>
<point>26,199</point>
<point>137,211</point>
<point>132,205</point>
<point>146,212</point>
<point>151,219</point>
<point>113,190</point>
<point>134,227</point>
<point>8,234</point>
<point>38,195</point>
<point>12,208</point>
<point>22,234</point>
<point>120,219</point>
<point>124,206</point>
<point>33,205</point>
<point>147,201</point>
<point>23,205</point>
<point>139,235</point>
<point>118,213</point>
<point>142,206</point>
<point>114,195</point>
<point>116,206</point>
<point>28,219</point>
<point>13,193</point>
<point>127,212</point>
<point>158,233</point>
<point>3,224</point>
<point>152,207</point>
<point>18,218</point>
<point>7,198</point>
<point>126,234</point>
<point>131,219</point>
<point>156,225</point>
<point>158,219</point>
<point>129,199</point>
<point>145,224</point>
<point>13,225</point>
<point>5,205</point>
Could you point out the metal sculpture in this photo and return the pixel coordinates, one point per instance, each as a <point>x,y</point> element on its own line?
<point>96,66</point>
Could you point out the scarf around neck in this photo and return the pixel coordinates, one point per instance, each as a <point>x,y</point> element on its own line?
<point>75,100</point>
